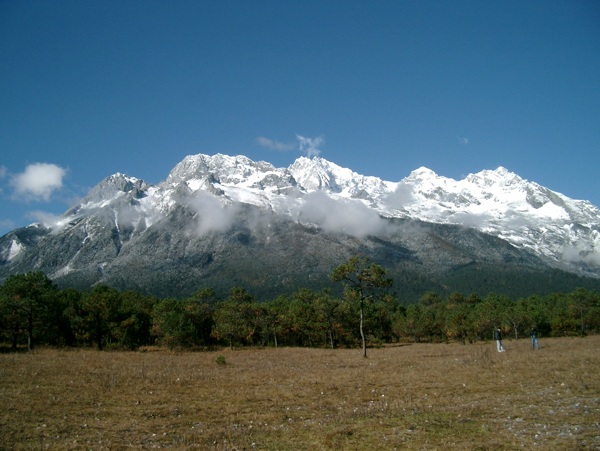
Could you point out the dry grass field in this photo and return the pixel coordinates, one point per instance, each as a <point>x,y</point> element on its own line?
<point>418,396</point>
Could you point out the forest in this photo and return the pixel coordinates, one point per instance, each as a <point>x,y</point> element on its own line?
<point>35,312</point>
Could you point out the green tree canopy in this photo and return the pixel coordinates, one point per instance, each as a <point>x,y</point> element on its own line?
<point>27,300</point>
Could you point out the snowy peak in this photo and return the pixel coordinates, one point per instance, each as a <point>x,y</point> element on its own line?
<point>498,177</point>
<point>220,168</point>
<point>318,174</point>
<point>509,188</point>
<point>115,186</point>
<point>421,174</point>
<point>315,173</point>
<point>221,171</point>
<point>493,190</point>
<point>484,181</point>
<point>427,181</point>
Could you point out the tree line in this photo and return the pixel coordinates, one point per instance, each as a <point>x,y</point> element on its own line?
<point>34,311</point>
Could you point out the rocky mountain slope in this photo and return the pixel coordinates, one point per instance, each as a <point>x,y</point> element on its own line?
<point>226,221</point>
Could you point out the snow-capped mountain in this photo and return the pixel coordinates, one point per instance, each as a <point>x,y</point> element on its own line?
<point>205,195</point>
<point>498,202</point>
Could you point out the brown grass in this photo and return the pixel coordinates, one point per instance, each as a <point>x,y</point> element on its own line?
<point>418,396</point>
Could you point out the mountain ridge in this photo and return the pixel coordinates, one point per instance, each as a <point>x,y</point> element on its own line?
<point>232,199</point>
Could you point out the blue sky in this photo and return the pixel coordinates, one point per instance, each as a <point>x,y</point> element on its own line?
<point>91,88</point>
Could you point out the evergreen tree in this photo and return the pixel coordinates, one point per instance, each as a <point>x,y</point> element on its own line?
<point>99,314</point>
<point>233,317</point>
<point>27,301</point>
<point>364,282</point>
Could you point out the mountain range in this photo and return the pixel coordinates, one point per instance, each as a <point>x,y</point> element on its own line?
<point>223,221</point>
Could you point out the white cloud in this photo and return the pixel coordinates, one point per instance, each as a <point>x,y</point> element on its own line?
<point>578,252</point>
<point>3,172</point>
<point>402,196</point>
<point>463,140</point>
<point>347,216</point>
<point>52,221</point>
<point>211,213</point>
<point>274,145</point>
<point>310,146</point>
<point>38,181</point>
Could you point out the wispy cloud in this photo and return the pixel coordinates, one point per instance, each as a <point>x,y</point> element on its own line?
<point>347,216</point>
<point>463,140</point>
<point>38,181</point>
<point>580,252</point>
<point>3,173</point>
<point>7,224</point>
<point>211,213</point>
<point>56,222</point>
<point>274,145</point>
<point>310,146</point>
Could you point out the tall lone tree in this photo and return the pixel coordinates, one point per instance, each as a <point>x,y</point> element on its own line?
<point>363,281</point>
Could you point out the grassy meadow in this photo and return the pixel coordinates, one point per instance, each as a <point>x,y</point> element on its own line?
<point>412,396</point>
